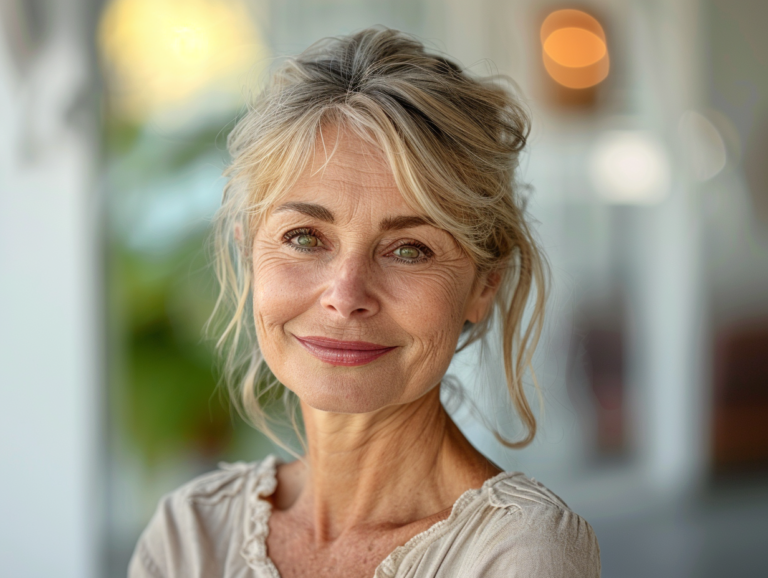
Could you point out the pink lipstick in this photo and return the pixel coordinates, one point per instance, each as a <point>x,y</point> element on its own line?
<point>346,353</point>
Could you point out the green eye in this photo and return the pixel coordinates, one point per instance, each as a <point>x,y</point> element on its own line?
<point>407,252</point>
<point>306,241</point>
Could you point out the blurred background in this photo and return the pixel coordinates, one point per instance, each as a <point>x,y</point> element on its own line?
<point>649,185</point>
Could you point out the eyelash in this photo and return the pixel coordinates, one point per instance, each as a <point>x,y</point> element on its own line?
<point>427,253</point>
<point>292,234</point>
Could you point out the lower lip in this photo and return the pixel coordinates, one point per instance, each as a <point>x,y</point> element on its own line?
<point>342,356</point>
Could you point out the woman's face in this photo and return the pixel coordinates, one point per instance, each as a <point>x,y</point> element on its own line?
<point>358,303</point>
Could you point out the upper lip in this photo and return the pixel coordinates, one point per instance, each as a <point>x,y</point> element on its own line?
<point>336,344</point>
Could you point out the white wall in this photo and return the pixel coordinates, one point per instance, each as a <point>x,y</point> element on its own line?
<point>49,394</point>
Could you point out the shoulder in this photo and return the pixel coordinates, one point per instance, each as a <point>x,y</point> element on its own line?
<point>204,523</point>
<point>527,530</point>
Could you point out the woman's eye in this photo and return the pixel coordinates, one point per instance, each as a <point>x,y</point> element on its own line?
<point>407,252</point>
<point>412,253</point>
<point>305,241</point>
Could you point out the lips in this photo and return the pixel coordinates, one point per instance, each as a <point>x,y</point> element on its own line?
<point>344,353</point>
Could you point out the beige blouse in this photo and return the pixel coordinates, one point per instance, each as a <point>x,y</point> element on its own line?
<point>217,526</point>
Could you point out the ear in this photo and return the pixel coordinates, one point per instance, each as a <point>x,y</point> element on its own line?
<point>481,301</point>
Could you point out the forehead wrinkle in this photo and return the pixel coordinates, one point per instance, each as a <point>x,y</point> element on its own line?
<point>328,156</point>
<point>348,185</point>
<point>358,177</point>
<point>346,175</point>
<point>366,159</point>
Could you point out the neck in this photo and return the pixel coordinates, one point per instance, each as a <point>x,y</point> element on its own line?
<point>391,467</point>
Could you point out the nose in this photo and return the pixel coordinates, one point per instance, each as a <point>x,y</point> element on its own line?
<point>348,293</point>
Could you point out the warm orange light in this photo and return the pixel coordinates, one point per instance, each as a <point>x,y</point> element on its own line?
<point>574,49</point>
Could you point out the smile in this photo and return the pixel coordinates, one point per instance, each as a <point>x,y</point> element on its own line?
<point>345,353</point>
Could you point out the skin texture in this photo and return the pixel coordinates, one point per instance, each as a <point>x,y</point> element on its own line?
<point>384,460</point>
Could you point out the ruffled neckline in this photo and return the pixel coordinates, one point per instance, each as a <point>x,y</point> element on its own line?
<point>264,483</point>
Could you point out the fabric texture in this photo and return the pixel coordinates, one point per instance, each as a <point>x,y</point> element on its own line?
<point>217,526</point>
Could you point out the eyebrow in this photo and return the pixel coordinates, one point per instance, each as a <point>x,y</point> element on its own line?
<point>406,222</point>
<point>321,213</point>
<point>309,209</point>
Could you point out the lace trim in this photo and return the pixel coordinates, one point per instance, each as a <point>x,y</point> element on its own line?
<point>391,563</point>
<point>257,522</point>
<point>257,519</point>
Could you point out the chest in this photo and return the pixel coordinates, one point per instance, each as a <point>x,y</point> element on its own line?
<point>293,550</point>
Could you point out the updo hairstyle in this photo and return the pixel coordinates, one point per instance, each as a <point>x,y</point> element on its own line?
<point>453,141</point>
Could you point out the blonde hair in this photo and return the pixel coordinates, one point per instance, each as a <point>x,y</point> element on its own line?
<point>453,143</point>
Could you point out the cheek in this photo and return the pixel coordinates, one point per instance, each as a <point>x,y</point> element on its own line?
<point>430,308</point>
<point>281,291</point>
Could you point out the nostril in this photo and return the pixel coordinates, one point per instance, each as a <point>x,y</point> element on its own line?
<point>349,294</point>
<point>348,288</point>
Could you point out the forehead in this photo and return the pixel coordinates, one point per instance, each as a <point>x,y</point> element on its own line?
<point>349,173</point>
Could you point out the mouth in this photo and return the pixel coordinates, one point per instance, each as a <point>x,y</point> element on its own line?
<point>343,353</point>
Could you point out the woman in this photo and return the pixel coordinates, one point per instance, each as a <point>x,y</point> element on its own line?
<point>370,226</point>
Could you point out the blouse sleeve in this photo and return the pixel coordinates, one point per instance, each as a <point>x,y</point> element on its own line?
<point>149,556</point>
<point>142,565</point>
<point>196,531</point>
<point>543,542</point>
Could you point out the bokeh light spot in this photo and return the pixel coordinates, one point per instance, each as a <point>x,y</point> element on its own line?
<point>574,47</point>
<point>190,43</point>
<point>575,52</point>
<point>630,168</point>
<point>161,54</point>
<point>703,146</point>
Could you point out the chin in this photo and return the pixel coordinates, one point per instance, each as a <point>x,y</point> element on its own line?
<point>340,394</point>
